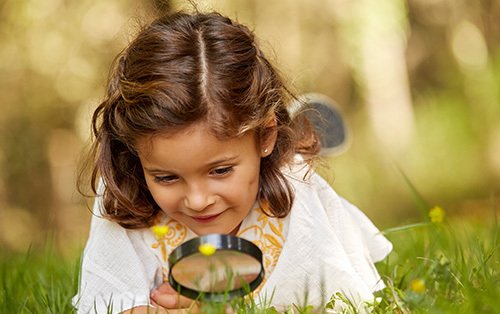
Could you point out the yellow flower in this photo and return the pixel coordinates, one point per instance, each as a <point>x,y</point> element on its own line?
<point>437,214</point>
<point>160,232</point>
<point>418,285</point>
<point>207,249</point>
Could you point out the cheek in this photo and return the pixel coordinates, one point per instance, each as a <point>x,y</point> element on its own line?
<point>166,199</point>
<point>245,187</point>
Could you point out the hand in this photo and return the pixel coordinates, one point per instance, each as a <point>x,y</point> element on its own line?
<point>166,297</point>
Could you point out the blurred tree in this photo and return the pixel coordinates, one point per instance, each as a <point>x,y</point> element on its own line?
<point>52,59</point>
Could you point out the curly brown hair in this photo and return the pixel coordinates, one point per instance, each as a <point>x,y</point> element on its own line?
<point>180,70</point>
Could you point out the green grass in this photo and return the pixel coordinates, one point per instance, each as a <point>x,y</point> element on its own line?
<point>458,260</point>
<point>37,281</point>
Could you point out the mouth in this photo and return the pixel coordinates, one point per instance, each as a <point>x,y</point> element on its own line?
<point>206,219</point>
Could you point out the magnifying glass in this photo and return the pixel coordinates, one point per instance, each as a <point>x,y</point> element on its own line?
<point>220,267</point>
<point>327,120</point>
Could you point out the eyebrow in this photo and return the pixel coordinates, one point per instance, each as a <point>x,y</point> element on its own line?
<point>222,161</point>
<point>209,165</point>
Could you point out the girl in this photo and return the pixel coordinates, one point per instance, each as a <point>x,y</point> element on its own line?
<point>195,134</point>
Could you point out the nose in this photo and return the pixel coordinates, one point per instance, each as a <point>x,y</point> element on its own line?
<point>198,197</point>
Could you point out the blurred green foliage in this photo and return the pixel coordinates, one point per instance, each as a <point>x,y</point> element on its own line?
<point>55,55</point>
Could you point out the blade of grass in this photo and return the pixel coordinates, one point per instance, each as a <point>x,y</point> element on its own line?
<point>418,198</point>
<point>406,227</point>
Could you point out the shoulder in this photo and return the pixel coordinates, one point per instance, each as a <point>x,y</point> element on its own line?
<point>304,179</point>
<point>116,262</point>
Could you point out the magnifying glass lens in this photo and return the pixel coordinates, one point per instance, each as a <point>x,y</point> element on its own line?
<point>231,269</point>
<point>223,270</point>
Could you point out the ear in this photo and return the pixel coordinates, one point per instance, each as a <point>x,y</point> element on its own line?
<point>268,137</point>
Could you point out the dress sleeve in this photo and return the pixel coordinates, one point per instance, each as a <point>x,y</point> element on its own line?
<point>377,244</point>
<point>118,270</point>
<point>331,247</point>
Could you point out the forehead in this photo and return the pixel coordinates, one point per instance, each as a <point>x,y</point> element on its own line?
<point>196,139</point>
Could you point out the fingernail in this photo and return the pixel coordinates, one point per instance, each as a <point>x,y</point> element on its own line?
<point>152,295</point>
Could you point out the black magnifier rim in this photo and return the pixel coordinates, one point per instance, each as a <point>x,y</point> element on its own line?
<point>220,242</point>
<point>327,119</point>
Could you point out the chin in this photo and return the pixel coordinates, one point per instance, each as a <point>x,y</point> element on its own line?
<point>214,230</point>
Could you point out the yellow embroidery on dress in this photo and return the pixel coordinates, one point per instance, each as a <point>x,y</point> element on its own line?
<point>175,236</point>
<point>270,244</point>
<point>165,273</point>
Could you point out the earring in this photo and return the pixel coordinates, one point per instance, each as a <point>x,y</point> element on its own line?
<point>265,151</point>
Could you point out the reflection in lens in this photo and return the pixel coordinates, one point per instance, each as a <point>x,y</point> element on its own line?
<point>225,270</point>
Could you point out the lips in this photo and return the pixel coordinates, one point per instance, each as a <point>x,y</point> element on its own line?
<point>205,219</point>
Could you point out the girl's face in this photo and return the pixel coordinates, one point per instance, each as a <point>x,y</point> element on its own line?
<point>207,184</point>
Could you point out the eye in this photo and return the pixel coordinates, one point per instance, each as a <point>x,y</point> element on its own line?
<point>165,179</point>
<point>222,171</point>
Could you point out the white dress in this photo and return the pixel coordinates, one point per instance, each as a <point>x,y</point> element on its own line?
<point>324,246</point>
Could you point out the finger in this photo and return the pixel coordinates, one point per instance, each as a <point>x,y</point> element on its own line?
<point>166,288</point>
<point>171,301</point>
